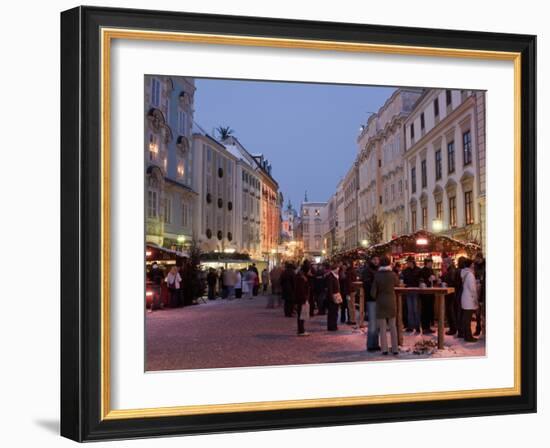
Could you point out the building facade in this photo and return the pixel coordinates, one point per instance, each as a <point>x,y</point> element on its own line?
<point>171,196</point>
<point>248,205</point>
<point>313,215</point>
<point>216,187</point>
<point>350,187</point>
<point>445,163</point>
<point>381,164</point>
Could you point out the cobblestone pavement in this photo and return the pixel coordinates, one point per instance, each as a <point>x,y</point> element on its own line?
<point>243,332</point>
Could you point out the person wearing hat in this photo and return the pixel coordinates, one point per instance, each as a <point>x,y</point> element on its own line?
<point>411,279</point>
<point>427,276</point>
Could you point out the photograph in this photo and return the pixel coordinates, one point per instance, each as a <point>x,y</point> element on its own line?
<point>293,223</point>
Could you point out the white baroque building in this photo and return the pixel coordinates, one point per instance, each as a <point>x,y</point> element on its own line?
<point>170,196</point>
<point>381,164</point>
<point>445,163</point>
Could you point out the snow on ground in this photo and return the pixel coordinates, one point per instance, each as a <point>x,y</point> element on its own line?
<point>244,333</point>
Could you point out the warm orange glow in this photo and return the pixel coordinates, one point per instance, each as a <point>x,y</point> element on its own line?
<point>421,241</point>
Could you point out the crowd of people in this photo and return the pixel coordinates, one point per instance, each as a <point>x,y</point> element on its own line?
<point>333,288</point>
<point>182,283</point>
<point>229,283</point>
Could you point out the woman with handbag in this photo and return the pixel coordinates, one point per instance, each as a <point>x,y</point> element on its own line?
<point>334,298</point>
<point>173,280</point>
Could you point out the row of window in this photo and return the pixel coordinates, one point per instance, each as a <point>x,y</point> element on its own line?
<point>448,101</point>
<point>153,209</point>
<point>183,122</point>
<point>219,235</point>
<point>452,217</point>
<point>466,159</point>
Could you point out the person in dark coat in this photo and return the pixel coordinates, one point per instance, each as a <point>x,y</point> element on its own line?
<point>383,289</point>
<point>427,276</point>
<point>398,269</point>
<point>367,277</point>
<point>411,279</point>
<point>211,280</point>
<point>458,295</point>
<point>155,277</point>
<point>256,285</point>
<point>311,281</point>
<point>342,272</point>
<point>302,295</point>
<point>319,289</point>
<point>479,271</point>
<point>333,297</point>
<point>450,300</point>
<point>351,278</point>
<point>288,288</point>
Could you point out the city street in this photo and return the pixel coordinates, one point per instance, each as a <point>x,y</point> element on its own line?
<point>244,333</point>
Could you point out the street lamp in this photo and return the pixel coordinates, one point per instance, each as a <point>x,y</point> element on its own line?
<point>364,243</point>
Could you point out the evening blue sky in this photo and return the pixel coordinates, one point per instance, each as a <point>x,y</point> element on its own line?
<point>307,131</point>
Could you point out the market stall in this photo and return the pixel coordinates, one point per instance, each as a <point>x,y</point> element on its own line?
<point>165,259</point>
<point>421,245</point>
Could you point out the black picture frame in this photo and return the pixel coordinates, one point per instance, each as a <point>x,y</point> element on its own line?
<point>81,224</point>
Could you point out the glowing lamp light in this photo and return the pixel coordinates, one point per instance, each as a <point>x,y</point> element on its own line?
<point>421,241</point>
<point>180,239</point>
<point>364,243</point>
<point>273,251</point>
<point>229,250</point>
<point>437,225</point>
<point>148,253</point>
<point>149,293</point>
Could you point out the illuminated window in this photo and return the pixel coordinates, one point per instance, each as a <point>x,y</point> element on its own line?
<point>438,164</point>
<point>467,147</point>
<point>152,204</point>
<point>167,211</point>
<point>439,210</point>
<point>153,147</point>
<point>424,217</point>
<point>468,208</point>
<point>181,169</point>
<point>452,211</point>
<point>451,157</point>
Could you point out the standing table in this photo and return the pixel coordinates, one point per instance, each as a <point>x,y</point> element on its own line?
<point>439,293</point>
<point>361,320</point>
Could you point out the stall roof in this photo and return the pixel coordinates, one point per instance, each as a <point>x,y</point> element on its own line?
<point>434,243</point>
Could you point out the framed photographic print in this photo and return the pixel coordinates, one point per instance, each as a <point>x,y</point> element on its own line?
<point>274,223</point>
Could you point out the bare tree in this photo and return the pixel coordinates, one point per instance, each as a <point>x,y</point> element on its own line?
<point>374,229</point>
